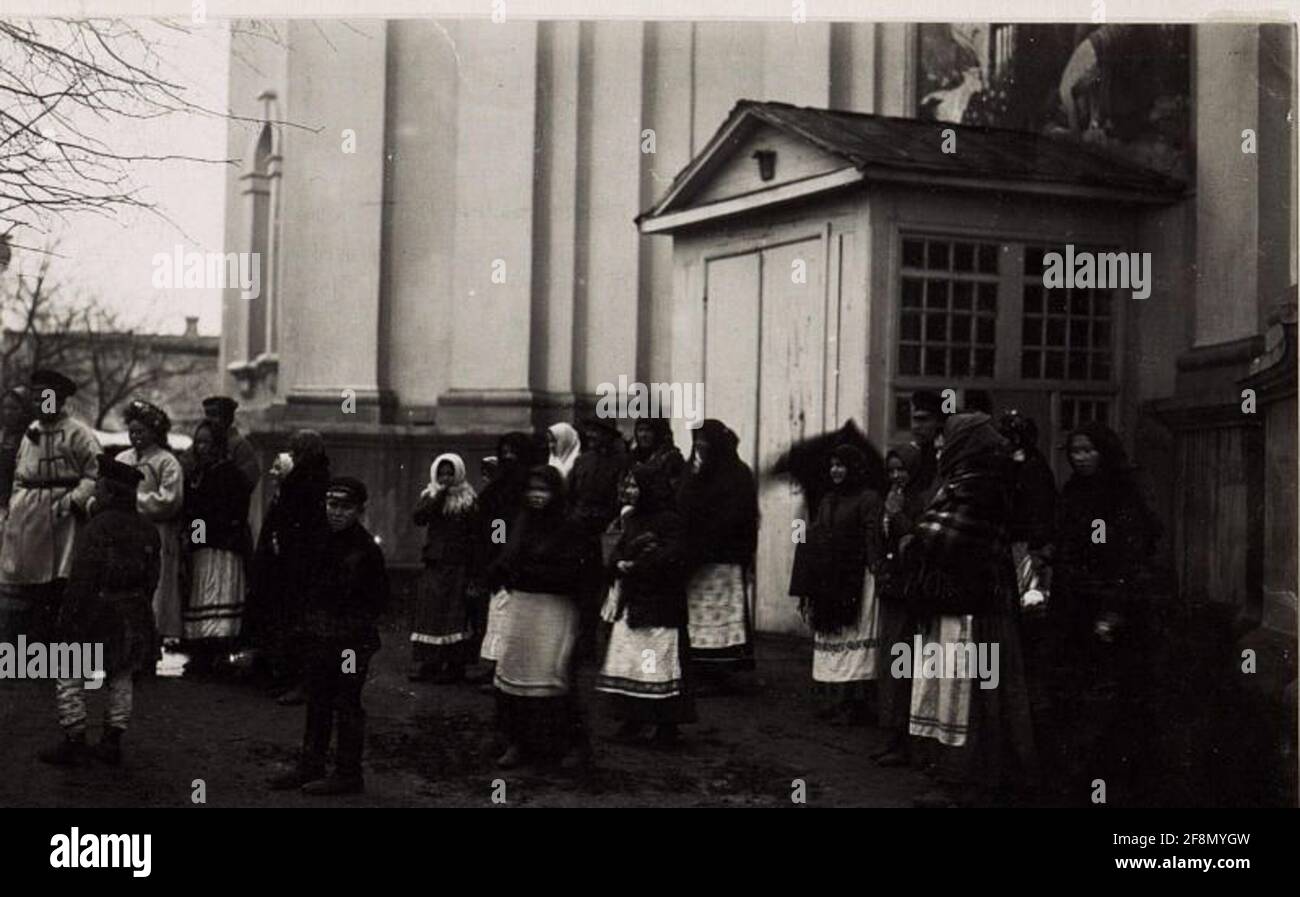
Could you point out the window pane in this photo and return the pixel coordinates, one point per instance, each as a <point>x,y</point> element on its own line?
<point>983,362</point>
<point>1101,334</point>
<point>912,289</point>
<point>984,330</point>
<point>961,328</point>
<point>1031,331</point>
<point>963,257</point>
<point>1067,414</point>
<point>914,253</point>
<point>1056,331</point>
<point>988,297</point>
<point>1078,365</point>
<point>910,328</point>
<point>1079,302</point>
<point>936,327</point>
<point>938,255</point>
<point>934,358</point>
<point>1101,365</point>
<point>909,359</point>
<point>1031,364</point>
<point>1056,301</point>
<point>936,294</point>
<point>1033,300</point>
<point>988,258</point>
<point>962,294</point>
<point>1034,261</point>
<point>1054,365</point>
<point>1078,332</point>
<point>959,361</point>
<point>1101,304</point>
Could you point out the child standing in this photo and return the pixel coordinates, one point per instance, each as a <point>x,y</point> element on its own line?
<point>441,630</point>
<point>108,600</point>
<point>343,603</point>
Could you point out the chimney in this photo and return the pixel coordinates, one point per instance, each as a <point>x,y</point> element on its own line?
<point>191,326</point>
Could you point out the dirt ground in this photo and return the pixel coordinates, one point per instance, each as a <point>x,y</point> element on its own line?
<point>430,745</point>
<point>427,745</point>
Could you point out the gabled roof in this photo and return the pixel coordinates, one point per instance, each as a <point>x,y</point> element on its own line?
<point>885,148</point>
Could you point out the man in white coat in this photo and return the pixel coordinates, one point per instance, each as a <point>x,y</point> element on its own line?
<point>54,479</point>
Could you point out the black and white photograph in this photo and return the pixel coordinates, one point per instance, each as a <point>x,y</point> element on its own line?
<point>491,407</point>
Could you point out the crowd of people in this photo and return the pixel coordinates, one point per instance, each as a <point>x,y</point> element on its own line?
<point>581,548</point>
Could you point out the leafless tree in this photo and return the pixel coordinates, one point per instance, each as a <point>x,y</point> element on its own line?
<point>110,360</point>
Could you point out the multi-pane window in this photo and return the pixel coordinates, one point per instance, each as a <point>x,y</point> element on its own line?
<point>1065,333</point>
<point>1077,410</point>
<point>949,308</point>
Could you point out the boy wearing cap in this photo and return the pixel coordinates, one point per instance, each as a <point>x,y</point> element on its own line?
<point>340,634</point>
<point>108,601</point>
<point>54,478</point>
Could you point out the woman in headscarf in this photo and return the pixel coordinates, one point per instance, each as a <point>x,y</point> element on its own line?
<point>648,613</point>
<point>840,604</point>
<point>718,501</point>
<point>217,495</point>
<point>904,503</point>
<point>499,505</point>
<point>293,534</point>
<point>564,445</point>
<point>441,629</point>
<point>541,568</point>
<point>160,497</point>
<point>654,450</point>
<point>1101,606</point>
<point>961,587</point>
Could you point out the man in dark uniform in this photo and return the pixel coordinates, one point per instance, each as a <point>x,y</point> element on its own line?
<point>108,601</point>
<point>340,636</point>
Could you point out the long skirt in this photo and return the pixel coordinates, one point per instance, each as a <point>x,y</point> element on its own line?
<point>720,632</point>
<point>216,606</point>
<point>644,674</point>
<point>851,654</point>
<point>537,643</point>
<point>498,620</point>
<point>992,726</point>
<point>441,628</point>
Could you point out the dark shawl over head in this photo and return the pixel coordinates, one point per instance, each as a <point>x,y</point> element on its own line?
<point>958,561</point>
<point>544,551</point>
<point>653,541</point>
<point>807,461</point>
<point>1112,495</point>
<point>720,501</point>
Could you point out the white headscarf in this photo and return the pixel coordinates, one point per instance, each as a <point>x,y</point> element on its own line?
<point>567,447</point>
<point>460,494</point>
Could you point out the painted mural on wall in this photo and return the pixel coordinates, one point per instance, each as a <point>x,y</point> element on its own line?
<point>1124,88</point>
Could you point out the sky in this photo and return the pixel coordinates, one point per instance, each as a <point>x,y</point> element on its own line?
<point>112,258</point>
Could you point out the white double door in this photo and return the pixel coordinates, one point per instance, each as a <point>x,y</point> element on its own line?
<point>769,359</point>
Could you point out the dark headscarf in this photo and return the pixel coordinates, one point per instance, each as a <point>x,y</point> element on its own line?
<point>719,502</point>
<point>852,458</point>
<point>964,437</point>
<point>554,481</point>
<point>1114,460</point>
<point>663,431</point>
<point>807,461</point>
<point>910,455</point>
<point>306,446</point>
<point>220,441</point>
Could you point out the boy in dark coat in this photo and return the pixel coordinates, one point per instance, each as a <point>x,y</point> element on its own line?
<point>108,600</point>
<point>349,591</point>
